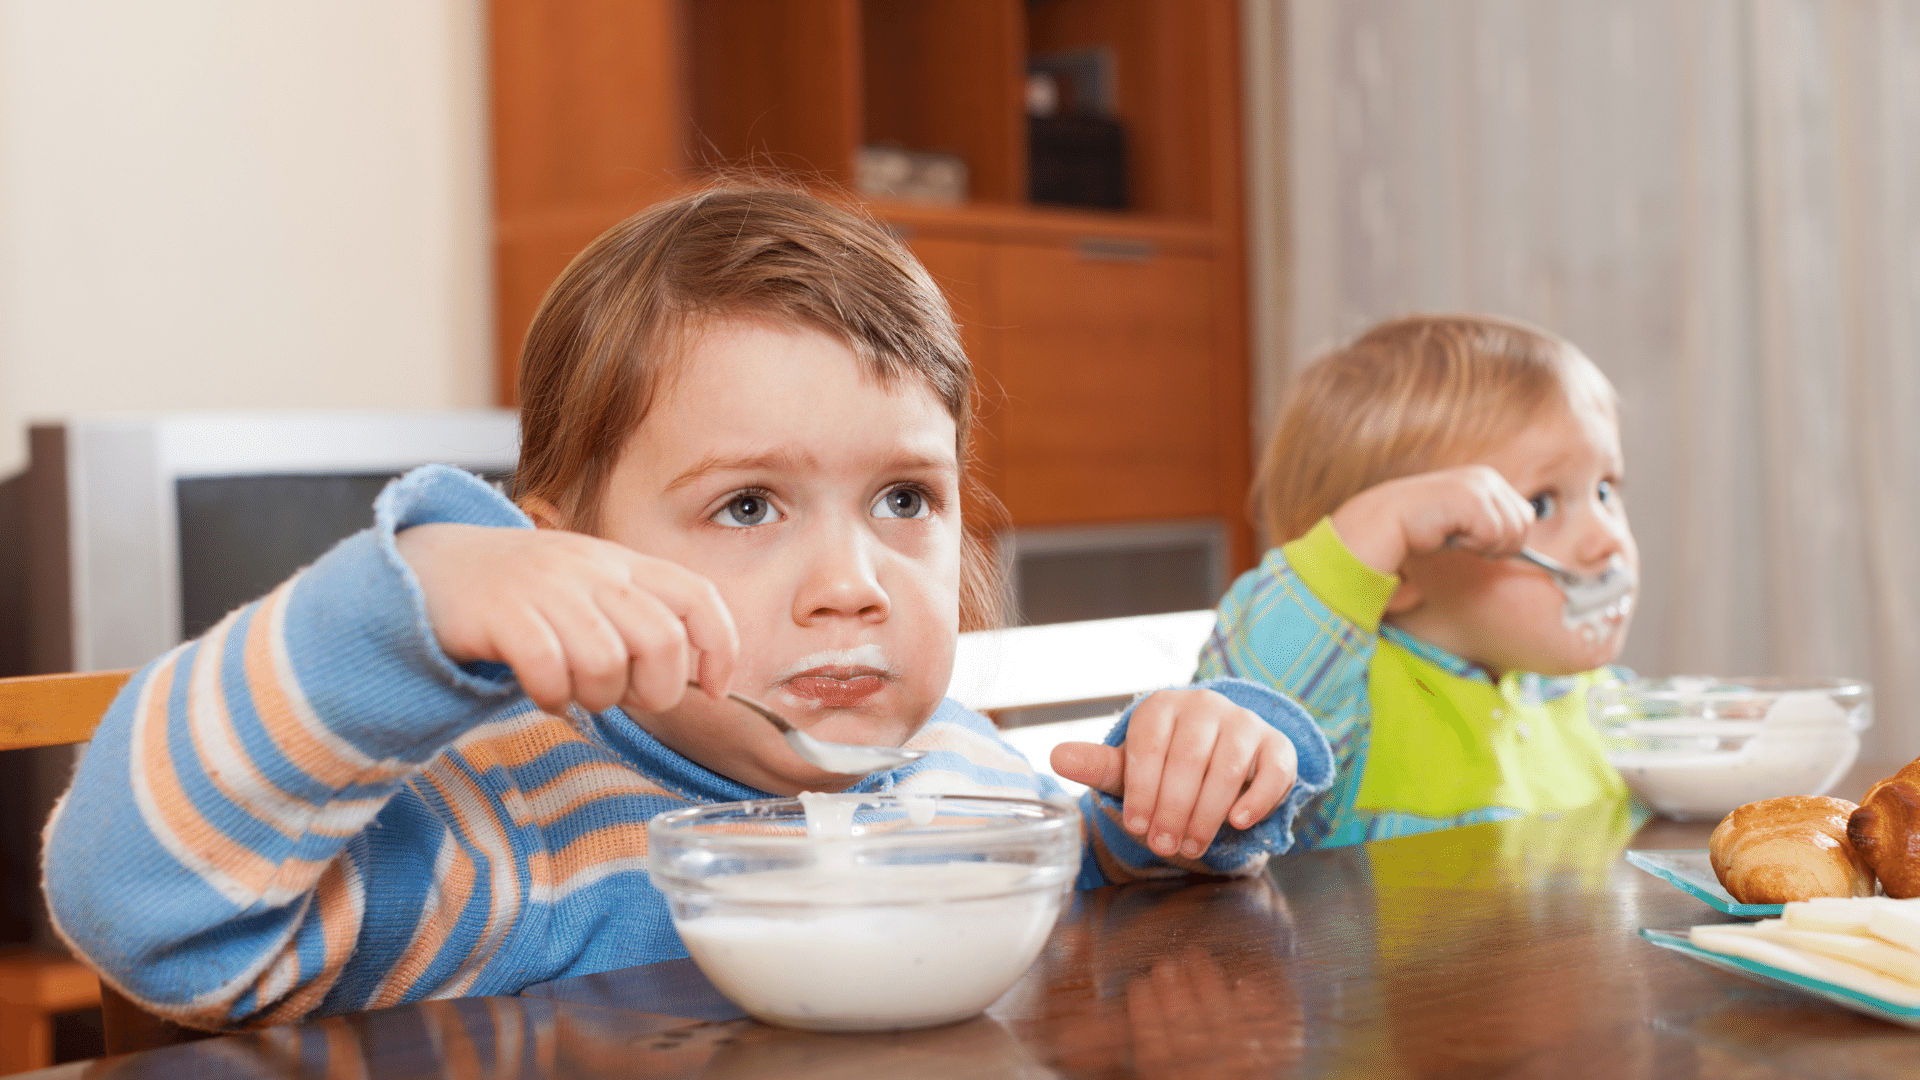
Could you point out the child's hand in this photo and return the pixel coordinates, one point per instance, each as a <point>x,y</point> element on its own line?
<point>1191,760</point>
<point>579,619</point>
<point>1472,506</point>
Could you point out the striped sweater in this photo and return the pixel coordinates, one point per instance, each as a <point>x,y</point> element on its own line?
<point>312,810</point>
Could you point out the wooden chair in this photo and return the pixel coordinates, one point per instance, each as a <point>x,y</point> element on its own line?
<point>999,671</point>
<point>59,710</point>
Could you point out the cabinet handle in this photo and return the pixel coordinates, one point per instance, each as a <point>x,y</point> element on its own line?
<point>1114,249</point>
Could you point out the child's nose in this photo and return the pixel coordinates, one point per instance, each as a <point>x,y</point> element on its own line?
<point>841,581</point>
<point>1603,534</point>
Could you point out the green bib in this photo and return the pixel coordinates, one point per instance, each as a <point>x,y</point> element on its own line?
<point>1442,745</point>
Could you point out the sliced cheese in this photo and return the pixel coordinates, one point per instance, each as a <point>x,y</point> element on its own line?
<point>1897,921</point>
<point>1892,961</point>
<point>1830,915</point>
<point>1751,943</point>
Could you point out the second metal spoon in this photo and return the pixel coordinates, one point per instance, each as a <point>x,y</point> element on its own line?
<point>1586,596</point>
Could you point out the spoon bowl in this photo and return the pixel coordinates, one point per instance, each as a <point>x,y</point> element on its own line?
<point>1589,599</point>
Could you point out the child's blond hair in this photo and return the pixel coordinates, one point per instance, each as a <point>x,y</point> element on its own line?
<point>1411,395</point>
<point>617,319</point>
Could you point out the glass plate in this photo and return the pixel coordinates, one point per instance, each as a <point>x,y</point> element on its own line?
<point>1856,1000</point>
<point>1692,871</point>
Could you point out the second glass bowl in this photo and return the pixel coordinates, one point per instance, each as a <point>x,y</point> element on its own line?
<point>1694,747</point>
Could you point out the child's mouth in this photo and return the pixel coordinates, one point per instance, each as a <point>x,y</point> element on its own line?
<point>1601,626</point>
<point>837,688</point>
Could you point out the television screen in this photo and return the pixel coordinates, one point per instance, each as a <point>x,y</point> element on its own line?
<point>242,535</point>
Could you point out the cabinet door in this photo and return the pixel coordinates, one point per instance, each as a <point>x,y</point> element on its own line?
<point>1108,374</point>
<point>961,268</point>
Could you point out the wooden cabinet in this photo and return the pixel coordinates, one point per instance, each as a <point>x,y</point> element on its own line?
<point>1108,383</point>
<point>1111,347</point>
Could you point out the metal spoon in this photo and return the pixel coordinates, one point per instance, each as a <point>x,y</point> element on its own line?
<point>847,759</point>
<point>1587,597</point>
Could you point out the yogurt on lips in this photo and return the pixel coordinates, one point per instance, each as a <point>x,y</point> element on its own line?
<point>835,679</point>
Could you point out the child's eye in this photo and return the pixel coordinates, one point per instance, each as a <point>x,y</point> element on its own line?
<point>1607,493</point>
<point>902,502</point>
<point>745,510</point>
<point>1543,505</point>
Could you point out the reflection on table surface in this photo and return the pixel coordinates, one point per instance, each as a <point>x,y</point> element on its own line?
<point>1506,949</point>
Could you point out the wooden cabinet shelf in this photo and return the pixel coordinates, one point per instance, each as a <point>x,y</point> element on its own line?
<point>1111,345</point>
<point>1048,225</point>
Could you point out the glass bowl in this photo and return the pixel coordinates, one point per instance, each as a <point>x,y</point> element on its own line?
<point>1694,747</point>
<point>924,915</point>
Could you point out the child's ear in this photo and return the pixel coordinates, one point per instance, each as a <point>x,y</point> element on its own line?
<point>545,515</point>
<point>1406,596</point>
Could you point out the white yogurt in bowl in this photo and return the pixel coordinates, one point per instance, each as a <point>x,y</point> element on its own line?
<point>898,912</point>
<point>1696,747</point>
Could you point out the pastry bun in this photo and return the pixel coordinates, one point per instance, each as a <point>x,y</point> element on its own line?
<point>1886,831</point>
<point>1793,848</point>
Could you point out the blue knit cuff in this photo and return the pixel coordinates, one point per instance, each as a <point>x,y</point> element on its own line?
<point>1240,851</point>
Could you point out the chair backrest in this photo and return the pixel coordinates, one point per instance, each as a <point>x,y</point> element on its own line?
<point>1064,663</point>
<point>55,710</point>
<point>1072,663</point>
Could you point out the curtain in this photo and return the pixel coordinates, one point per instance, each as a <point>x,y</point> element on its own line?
<point>1718,201</point>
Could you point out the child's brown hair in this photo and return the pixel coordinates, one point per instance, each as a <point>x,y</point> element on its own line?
<point>615,320</point>
<point>1411,395</point>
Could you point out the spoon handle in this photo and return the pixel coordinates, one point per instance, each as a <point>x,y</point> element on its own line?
<point>772,717</point>
<point>1560,573</point>
<point>1527,555</point>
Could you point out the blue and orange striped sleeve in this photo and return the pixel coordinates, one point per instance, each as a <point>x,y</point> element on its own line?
<point>209,858</point>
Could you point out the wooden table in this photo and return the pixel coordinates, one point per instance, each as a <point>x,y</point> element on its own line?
<point>1498,950</point>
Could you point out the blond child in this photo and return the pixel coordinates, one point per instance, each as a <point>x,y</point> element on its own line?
<point>1405,468</point>
<point>423,767</point>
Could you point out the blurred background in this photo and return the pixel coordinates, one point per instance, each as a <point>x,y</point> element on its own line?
<point>1146,212</point>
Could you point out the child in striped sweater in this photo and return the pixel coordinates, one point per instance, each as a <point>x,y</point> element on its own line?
<point>423,767</point>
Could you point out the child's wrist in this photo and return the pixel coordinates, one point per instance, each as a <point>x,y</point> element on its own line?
<point>1373,528</point>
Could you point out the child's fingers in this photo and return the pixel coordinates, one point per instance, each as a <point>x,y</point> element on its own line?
<point>1274,771</point>
<point>1149,729</point>
<point>656,657</point>
<point>523,641</point>
<point>1513,517</point>
<point>593,650</point>
<point>1103,768</point>
<point>1473,508</point>
<point>1189,752</point>
<point>1234,753</point>
<point>1495,521</point>
<point>696,603</point>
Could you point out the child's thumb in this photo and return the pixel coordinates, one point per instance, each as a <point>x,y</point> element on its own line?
<point>1097,766</point>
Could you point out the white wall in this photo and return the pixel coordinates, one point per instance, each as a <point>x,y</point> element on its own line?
<point>236,203</point>
<point>1719,201</point>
